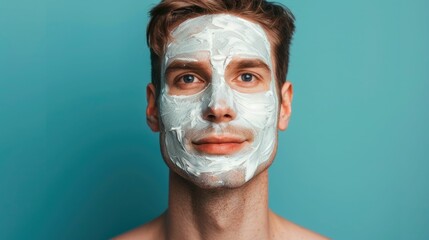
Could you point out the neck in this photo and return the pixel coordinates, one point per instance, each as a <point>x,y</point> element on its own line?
<point>239,213</point>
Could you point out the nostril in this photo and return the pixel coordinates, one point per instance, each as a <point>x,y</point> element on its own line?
<point>211,117</point>
<point>219,115</point>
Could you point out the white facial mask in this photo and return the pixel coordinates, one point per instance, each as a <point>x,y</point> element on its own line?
<point>220,38</point>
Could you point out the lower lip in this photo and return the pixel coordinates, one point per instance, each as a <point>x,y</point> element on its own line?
<point>219,148</point>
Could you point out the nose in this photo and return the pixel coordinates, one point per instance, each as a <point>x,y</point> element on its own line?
<point>219,108</point>
<point>219,114</point>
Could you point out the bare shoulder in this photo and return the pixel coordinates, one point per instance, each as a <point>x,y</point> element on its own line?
<point>285,229</point>
<point>152,230</point>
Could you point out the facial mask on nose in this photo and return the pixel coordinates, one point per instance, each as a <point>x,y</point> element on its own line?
<point>221,38</point>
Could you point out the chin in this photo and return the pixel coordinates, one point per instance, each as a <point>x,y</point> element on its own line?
<point>230,179</point>
<point>211,181</point>
<point>234,178</point>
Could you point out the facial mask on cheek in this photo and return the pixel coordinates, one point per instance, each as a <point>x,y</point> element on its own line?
<point>223,37</point>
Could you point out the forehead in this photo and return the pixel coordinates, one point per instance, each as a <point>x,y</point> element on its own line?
<point>219,36</point>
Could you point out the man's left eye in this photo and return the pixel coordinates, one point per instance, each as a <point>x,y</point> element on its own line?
<point>247,77</point>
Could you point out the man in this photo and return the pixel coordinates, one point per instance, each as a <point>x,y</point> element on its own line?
<point>217,97</point>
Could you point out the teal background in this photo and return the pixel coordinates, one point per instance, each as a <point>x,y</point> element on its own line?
<point>77,160</point>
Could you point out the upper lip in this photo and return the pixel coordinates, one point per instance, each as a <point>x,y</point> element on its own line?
<point>219,140</point>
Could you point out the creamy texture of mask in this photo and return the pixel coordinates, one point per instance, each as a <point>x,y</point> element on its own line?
<point>219,38</point>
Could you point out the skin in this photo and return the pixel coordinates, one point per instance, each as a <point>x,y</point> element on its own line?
<point>196,212</point>
<point>217,144</point>
<point>237,213</point>
<point>204,70</point>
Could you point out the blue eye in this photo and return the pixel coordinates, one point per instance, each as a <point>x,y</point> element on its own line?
<point>188,78</point>
<point>247,77</point>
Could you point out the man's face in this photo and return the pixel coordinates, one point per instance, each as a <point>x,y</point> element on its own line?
<point>218,104</point>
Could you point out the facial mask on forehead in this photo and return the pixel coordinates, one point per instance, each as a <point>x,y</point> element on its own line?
<point>218,38</point>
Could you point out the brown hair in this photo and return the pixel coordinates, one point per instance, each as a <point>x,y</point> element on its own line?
<point>277,20</point>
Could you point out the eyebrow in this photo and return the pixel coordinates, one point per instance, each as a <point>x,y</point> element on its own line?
<point>248,63</point>
<point>187,65</point>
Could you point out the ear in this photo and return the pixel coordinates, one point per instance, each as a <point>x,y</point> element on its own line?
<point>286,95</point>
<point>152,110</point>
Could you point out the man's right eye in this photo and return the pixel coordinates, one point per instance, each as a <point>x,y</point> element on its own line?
<point>185,83</point>
<point>188,82</point>
<point>188,78</point>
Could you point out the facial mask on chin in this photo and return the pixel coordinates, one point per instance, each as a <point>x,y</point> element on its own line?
<point>220,38</point>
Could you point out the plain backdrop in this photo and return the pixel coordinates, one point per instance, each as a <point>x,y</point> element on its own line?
<point>77,160</point>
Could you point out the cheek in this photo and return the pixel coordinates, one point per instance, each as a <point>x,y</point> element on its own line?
<point>258,110</point>
<point>175,112</point>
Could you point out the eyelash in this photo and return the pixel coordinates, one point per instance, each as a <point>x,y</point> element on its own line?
<point>244,75</point>
<point>255,77</point>
<point>180,78</point>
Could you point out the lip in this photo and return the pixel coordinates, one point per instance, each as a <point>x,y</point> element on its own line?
<point>219,145</point>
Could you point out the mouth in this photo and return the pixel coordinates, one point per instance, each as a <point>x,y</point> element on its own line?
<point>220,145</point>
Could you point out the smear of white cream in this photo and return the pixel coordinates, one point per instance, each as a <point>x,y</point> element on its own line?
<point>221,38</point>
